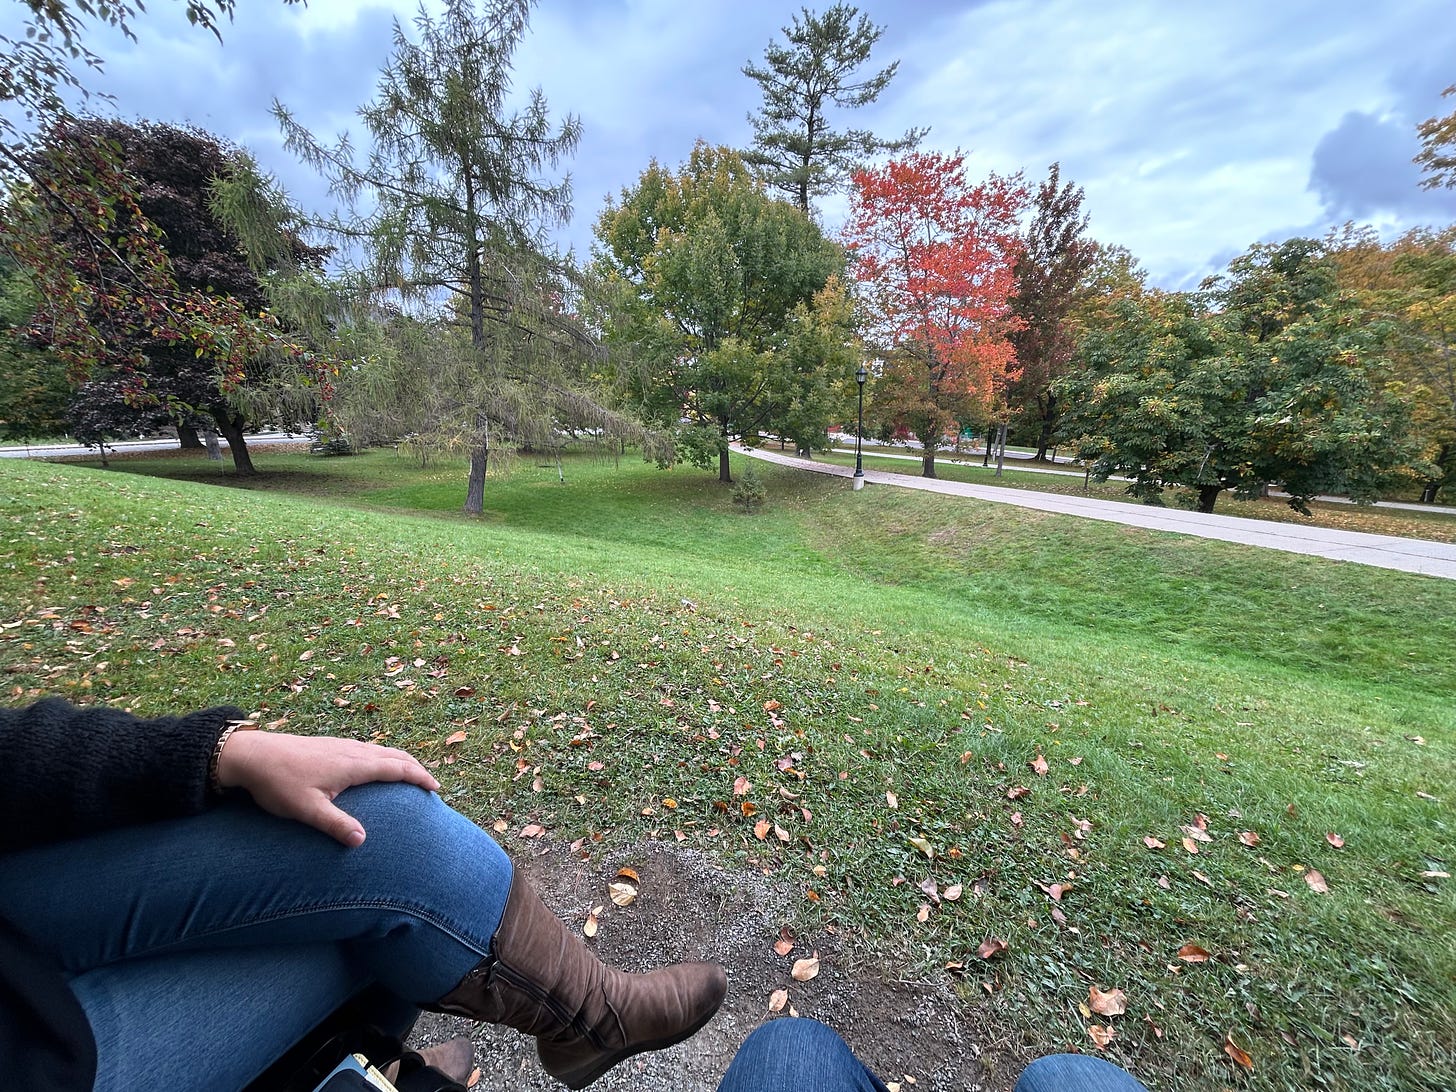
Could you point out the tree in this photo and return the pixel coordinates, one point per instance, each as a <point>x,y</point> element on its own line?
<point>934,257</point>
<point>1050,270</point>
<point>450,206</point>
<point>33,385</point>
<point>1437,156</point>
<point>1410,283</point>
<point>1285,385</point>
<point>794,148</point>
<point>719,285</point>
<point>140,371</point>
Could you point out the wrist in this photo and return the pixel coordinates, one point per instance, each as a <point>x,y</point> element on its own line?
<point>222,772</point>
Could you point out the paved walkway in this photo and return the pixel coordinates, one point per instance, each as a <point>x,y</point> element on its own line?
<point>1384,551</point>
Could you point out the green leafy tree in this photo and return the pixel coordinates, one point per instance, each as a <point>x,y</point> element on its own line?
<point>818,357</point>
<point>1050,274</point>
<point>795,149</point>
<point>718,284</point>
<point>1410,283</point>
<point>1437,156</point>
<point>1284,385</point>
<point>34,389</point>
<point>449,207</point>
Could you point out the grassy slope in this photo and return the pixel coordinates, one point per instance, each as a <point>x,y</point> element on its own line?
<point>914,645</point>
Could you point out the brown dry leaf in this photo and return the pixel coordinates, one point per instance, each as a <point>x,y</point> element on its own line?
<point>923,914</point>
<point>1016,819</point>
<point>1316,882</point>
<point>951,893</point>
<point>1157,1031</point>
<point>1059,917</point>
<point>628,874</point>
<point>1075,761</point>
<point>805,969</point>
<point>1190,845</point>
<point>991,947</point>
<point>595,766</point>
<point>785,944</point>
<point>921,844</point>
<point>1192,953</point>
<point>1200,821</point>
<point>1236,1052</point>
<point>1057,890</point>
<point>1249,837</point>
<point>1111,1003</point>
<point>474,1078</point>
<point>771,706</point>
<point>1201,878</point>
<point>1154,843</point>
<point>500,826</point>
<point>780,833</point>
<point>742,786</point>
<point>748,808</point>
<point>1039,764</point>
<point>761,829</point>
<point>622,894</point>
<point>1163,883</point>
<point>1017,792</point>
<point>590,928</point>
<point>455,737</point>
<point>1198,834</point>
<point>892,800</point>
<point>1335,840</point>
<point>928,888</point>
<point>1101,1035</point>
<point>777,1000</point>
<point>532,830</point>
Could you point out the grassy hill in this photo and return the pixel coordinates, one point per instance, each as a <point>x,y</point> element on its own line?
<point>874,695</point>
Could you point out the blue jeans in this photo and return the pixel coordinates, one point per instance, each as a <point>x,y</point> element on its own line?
<point>202,948</point>
<point>798,1055</point>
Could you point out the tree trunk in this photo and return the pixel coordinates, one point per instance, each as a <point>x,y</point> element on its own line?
<point>724,475</point>
<point>1207,494</point>
<point>479,460</point>
<point>231,427</point>
<point>1048,420</point>
<point>188,439</point>
<point>1428,492</point>
<point>927,462</point>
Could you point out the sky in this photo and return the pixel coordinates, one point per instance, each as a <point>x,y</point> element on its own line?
<point>1196,130</point>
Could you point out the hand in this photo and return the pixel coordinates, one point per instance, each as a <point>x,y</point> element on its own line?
<point>297,777</point>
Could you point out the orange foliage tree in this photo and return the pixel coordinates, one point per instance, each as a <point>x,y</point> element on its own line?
<point>934,257</point>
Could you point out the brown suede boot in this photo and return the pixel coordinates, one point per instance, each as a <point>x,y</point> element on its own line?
<point>455,1058</point>
<point>586,1016</point>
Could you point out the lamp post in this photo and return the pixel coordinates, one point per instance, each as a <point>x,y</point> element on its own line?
<point>859,377</point>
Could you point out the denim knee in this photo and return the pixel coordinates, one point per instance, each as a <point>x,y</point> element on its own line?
<point>800,1054</point>
<point>1076,1073</point>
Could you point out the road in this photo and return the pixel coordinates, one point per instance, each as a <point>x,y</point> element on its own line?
<point>1382,551</point>
<point>125,447</point>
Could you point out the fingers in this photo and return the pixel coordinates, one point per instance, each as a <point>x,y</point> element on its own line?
<point>337,824</point>
<point>391,765</point>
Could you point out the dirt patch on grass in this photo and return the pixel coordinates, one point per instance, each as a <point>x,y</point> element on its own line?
<point>689,907</point>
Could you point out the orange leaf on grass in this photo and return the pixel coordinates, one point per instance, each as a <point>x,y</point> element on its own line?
<point>1335,840</point>
<point>991,947</point>
<point>1236,1052</point>
<point>1039,764</point>
<point>1316,882</point>
<point>1101,1035</point>
<point>1192,953</point>
<point>1111,1003</point>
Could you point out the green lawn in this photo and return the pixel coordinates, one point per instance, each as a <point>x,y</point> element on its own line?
<point>621,649</point>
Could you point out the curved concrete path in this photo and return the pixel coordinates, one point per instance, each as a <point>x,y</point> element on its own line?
<point>1410,555</point>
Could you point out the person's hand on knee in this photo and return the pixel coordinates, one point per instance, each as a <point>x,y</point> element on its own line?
<point>298,777</point>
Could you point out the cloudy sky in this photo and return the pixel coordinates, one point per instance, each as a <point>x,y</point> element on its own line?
<point>1195,129</point>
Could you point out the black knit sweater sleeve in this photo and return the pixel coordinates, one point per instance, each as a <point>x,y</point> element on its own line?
<point>70,771</point>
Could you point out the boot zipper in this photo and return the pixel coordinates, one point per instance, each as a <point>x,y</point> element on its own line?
<point>500,969</point>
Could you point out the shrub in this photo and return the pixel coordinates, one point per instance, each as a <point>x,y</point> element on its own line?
<point>749,491</point>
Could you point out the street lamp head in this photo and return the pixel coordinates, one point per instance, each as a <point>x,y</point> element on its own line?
<point>861,375</point>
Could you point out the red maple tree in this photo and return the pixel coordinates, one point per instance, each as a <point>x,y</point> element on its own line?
<point>934,257</point>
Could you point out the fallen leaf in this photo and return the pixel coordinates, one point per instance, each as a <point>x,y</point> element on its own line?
<point>923,914</point>
<point>1057,890</point>
<point>748,808</point>
<point>1249,837</point>
<point>1350,1041</point>
<point>1111,1003</point>
<point>805,969</point>
<point>1059,917</point>
<point>1198,834</point>
<point>951,893</point>
<point>742,786</point>
<point>628,874</point>
<point>1192,953</point>
<point>1236,1052</point>
<point>761,829</point>
<point>1335,840</point>
<point>1157,1031</point>
<point>927,886</point>
<point>1075,761</point>
<point>1039,764</point>
<point>991,947</point>
<point>622,894</point>
<point>1153,843</point>
<point>1435,874</point>
<point>532,830</point>
<point>1316,882</point>
<point>1016,819</point>
<point>892,800</point>
<point>777,1000</point>
<point>785,944</point>
<point>1190,845</point>
<point>1200,821</point>
<point>474,1078</point>
<point>590,928</point>
<point>921,844</point>
<point>455,737</point>
<point>1201,878</point>
<point>1017,792</point>
<point>1101,1035</point>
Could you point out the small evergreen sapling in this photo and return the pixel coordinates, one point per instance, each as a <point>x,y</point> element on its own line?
<point>749,491</point>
